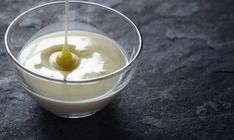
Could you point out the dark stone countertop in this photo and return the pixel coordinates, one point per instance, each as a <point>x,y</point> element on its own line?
<point>184,87</point>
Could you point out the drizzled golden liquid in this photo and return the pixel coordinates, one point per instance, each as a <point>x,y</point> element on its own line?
<point>66,60</point>
<point>82,55</point>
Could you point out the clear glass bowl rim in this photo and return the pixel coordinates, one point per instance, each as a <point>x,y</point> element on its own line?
<point>131,62</point>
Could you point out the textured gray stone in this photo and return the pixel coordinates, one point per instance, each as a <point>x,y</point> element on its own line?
<point>183,88</point>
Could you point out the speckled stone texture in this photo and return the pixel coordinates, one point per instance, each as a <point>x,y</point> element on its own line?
<point>184,87</point>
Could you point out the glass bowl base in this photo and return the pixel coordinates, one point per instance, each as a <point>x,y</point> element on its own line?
<point>78,115</point>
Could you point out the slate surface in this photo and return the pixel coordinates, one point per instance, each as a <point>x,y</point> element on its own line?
<point>183,89</point>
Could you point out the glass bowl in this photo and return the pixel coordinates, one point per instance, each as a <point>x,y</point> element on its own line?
<point>83,16</point>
